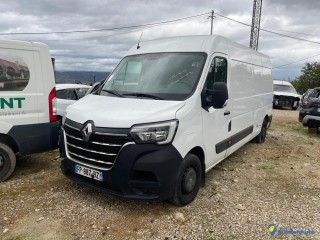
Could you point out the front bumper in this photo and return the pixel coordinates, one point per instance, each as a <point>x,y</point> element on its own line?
<point>311,121</point>
<point>141,171</point>
<point>285,101</point>
<point>310,116</point>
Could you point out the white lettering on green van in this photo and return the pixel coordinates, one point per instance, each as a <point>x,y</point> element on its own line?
<point>11,103</point>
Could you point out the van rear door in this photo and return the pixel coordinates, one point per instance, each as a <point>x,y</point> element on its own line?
<point>18,86</point>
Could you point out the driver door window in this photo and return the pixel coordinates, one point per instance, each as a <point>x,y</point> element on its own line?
<point>217,72</point>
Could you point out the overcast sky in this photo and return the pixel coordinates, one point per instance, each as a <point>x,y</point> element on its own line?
<point>101,51</point>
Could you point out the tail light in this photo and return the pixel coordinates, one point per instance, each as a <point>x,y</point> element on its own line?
<point>52,105</point>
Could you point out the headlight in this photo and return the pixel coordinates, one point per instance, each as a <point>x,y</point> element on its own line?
<point>160,133</point>
<point>64,116</point>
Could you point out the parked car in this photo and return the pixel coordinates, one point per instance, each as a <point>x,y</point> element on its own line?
<point>309,95</point>
<point>171,110</point>
<point>285,95</point>
<point>27,102</point>
<point>309,114</point>
<point>68,94</point>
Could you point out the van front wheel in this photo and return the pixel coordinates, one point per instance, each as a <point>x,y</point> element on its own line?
<point>7,161</point>
<point>188,181</point>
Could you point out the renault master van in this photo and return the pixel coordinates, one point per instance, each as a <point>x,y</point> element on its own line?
<point>27,102</point>
<point>170,111</point>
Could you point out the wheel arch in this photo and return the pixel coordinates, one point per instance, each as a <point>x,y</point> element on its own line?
<point>6,139</point>
<point>199,152</point>
<point>269,120</point>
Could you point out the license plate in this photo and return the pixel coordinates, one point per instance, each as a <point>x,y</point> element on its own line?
<point>318,110</point>
<point>88,172</point>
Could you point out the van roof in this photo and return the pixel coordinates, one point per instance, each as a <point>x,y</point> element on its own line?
<point>19,43</point>
<point>202,43</point>
<point>278,82</point>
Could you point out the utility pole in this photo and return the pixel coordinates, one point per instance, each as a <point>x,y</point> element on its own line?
<point>255,26</point>
<point>212,12</point>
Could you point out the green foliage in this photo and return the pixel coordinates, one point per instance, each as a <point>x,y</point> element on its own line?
<point>310,77</point>
<point>3,78</point>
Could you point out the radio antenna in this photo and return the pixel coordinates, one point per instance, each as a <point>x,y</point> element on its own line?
<point>138,46</point>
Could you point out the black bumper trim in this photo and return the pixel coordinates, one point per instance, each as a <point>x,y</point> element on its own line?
<point>35,138</point>
<point>142,171</point>
<point>225,144</point>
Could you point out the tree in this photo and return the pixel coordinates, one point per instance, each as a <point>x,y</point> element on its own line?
<point>310,77</point>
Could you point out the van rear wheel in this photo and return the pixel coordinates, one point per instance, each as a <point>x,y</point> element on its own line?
<point>261,138</point>
<point>188,181</point>
<point>7,161</point>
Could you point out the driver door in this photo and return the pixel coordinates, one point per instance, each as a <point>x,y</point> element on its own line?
<point>216,122</point>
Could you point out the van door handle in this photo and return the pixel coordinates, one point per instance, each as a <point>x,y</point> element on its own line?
<point>227,112</point>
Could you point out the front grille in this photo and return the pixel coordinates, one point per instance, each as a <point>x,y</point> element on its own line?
<point>102,148</point>
<point>285,101</point>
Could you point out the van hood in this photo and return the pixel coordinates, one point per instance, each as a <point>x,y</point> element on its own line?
<point>287,94</point>
<point>115,112</point>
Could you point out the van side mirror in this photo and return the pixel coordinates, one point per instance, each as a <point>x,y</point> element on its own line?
<point>217,96</point>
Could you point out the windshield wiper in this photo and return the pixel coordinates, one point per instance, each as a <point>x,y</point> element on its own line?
<point>113,92</point>
<point>143,95</point>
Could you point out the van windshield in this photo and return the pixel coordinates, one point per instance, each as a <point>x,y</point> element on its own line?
<point>284,88</point>
<point>165,76</point>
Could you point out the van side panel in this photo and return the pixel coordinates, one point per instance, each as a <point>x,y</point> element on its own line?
<point>250,93</point>
<point>25,104</point>
<point>24,111</point>
<point>240,95</point>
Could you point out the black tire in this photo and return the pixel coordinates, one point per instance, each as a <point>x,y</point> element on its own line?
<point>261,138</point>
<point>59,118</point>
<point>295,107</point>
<point>7,161</point>
<point>188,181</point>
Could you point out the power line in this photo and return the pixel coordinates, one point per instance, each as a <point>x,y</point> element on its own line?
<point>109,35</point>
<point>224,19</point>
<point>269,31</point>
<point>105,29</point>
<point>308,34</point>
<point>287,64</point>
<point>157,24</point>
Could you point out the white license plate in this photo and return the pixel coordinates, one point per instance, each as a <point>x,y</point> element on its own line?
<point>88,172</point>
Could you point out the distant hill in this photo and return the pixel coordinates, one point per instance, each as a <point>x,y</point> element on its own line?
<point>77,76</point>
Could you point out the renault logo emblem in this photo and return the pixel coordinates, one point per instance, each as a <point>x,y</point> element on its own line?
<point>87,131</point>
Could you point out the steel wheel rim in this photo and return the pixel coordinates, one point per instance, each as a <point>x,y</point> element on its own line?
<point>189,180</point>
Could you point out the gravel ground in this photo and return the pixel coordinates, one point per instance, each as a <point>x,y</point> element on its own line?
<point>276,182</point>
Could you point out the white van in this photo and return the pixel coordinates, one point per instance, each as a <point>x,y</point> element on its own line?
<point>27,102</point>
<point>170,111</point>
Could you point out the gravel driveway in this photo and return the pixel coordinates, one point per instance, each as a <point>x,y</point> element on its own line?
<point>276,182</point>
